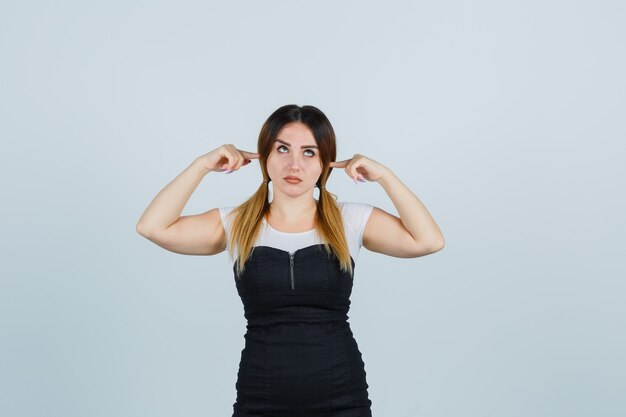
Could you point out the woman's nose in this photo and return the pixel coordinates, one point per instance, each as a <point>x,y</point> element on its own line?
<point>295,161</point>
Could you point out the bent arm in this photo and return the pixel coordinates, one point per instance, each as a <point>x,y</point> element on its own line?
<point>414,215</point>
<point>166,207</point>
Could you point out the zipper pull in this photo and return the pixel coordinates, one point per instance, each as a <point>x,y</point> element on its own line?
<point>291,256</point>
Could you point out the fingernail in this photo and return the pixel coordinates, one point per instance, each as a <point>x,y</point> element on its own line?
<point>355,181</point>
<point>229,172</point>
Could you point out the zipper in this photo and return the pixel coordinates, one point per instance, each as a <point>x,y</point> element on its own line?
<point>291,256</point>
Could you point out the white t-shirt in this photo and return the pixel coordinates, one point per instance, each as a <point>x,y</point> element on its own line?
<point>355,217</point>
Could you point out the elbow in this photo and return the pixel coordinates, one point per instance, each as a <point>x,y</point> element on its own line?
<point>436,246</point>
<point>426,248</point>
<point>141,229</point>
<point>439,244</point>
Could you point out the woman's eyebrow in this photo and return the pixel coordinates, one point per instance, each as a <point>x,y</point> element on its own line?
<point>301,147</point>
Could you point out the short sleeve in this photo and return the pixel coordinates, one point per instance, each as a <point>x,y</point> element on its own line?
<point>226,221</point>
<point>356,216</point>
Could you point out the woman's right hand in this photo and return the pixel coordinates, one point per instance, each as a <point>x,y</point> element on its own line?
<point>227,158</point>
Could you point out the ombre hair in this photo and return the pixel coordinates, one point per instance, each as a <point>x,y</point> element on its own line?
<point>247,217</point>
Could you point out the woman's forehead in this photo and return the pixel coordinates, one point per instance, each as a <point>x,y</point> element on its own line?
<point>295,131</point>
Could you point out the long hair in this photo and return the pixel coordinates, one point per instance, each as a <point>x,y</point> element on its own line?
<point>247,217</point>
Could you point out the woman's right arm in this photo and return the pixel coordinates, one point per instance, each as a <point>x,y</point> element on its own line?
<point>200,234</point>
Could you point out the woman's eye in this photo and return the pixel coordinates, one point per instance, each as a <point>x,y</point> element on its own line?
<point>283,146</point>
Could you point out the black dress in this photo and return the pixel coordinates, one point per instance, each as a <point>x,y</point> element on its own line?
<point>300,357</point>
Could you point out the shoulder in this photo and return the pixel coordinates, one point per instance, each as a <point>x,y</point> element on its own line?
<point>355,217</point>
<point>355,213</point>
<point>224,212</point>
<point>226,209</point>
<point>354,208</point>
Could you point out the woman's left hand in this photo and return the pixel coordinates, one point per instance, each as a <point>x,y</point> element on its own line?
<point>361,168</point>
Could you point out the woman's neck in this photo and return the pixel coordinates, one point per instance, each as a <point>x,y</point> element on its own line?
<point>293,214</point>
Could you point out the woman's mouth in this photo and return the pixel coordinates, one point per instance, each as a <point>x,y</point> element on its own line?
<point>293,180</point>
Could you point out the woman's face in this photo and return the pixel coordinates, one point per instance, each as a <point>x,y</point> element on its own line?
<point>294,154</point>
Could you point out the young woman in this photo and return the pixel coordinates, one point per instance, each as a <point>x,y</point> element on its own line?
<point>293,261</point>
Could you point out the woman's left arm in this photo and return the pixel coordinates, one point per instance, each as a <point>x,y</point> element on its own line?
<point>414,216</point>
<point>415,233</point>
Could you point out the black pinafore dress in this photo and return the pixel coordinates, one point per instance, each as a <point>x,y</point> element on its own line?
<point>300,357</point>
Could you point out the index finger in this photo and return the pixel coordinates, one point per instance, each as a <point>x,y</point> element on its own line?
<point>249,155</point>
<point>339,164</point>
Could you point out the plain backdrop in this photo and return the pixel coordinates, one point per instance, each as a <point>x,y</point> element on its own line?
<point>506,119</point>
